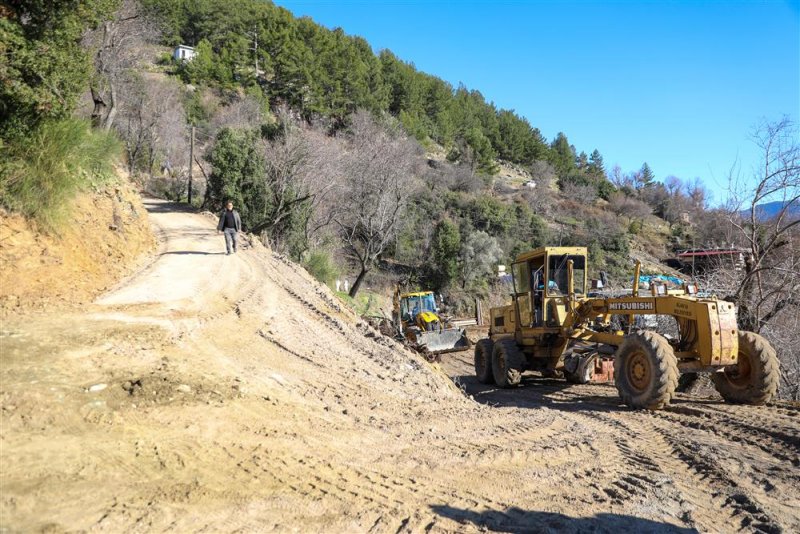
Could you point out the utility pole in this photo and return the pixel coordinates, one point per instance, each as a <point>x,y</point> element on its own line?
<point>191,163</point>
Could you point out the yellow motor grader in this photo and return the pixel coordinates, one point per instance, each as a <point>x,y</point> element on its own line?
<point>416,318</point>
<point>553,326</point>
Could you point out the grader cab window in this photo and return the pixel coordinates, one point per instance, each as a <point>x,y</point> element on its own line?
<point>557,282</point>
<point>521,278</point>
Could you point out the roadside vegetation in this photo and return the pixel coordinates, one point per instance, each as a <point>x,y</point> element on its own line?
<point>46,154</point>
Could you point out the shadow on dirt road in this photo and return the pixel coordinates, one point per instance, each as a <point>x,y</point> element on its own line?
<point>537,392</point>
<point>518,520</point>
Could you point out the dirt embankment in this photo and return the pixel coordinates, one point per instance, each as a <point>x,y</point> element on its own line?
<point>103,240</point>
<point>214,393</point>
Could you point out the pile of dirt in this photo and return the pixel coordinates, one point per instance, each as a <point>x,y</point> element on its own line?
<point>105,238</point>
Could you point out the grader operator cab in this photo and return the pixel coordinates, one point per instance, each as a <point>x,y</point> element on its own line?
<point>553,326</point>
<point>416,317</point>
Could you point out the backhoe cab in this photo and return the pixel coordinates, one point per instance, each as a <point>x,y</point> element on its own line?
<point>553,326</point>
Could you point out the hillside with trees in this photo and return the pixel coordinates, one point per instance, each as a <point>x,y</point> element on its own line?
<point>351,162</point>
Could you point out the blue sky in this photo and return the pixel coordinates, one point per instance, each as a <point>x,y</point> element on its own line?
<point>677,84</point>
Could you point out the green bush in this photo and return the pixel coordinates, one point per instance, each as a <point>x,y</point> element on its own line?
<point>321,267</point>
<point>366,303</point>
<point>635,227</point>
<point>40,174</point>
<point>165,59</point>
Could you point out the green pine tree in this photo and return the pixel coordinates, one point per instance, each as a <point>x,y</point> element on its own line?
<point>596,166</point>
<point>446,244</point>
<point>646,176</point>
<point>562,155</point>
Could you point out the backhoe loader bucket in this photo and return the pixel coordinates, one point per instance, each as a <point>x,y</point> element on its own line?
<point>448,340</point>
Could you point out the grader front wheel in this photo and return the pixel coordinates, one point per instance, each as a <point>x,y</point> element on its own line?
<point>507,363</point>
<point>754,379</point>
<point>646,371</point>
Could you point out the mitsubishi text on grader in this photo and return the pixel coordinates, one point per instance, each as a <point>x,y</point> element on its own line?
<point>553,326</point>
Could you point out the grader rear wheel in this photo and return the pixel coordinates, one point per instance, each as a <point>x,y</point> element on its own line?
<point>507,363</point>
<point>754,379</point>
<point>483,361</point>
<point>646,371</point>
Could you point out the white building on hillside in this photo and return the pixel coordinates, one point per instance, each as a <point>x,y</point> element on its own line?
<point>183,53</point>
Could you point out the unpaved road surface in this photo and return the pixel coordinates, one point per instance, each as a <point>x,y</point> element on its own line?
<point>213,393</point>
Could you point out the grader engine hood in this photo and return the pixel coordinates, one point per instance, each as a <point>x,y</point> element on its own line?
<point>717,339</point>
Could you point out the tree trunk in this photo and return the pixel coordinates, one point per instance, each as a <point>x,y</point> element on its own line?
<point>748,317</point>
<point>112,109</point>
<point>99,108</point>
<point>360,278</point>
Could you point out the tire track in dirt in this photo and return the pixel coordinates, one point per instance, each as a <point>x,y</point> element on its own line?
<point>744,510</point>
<point>664,459</point>
<point>781,445</point>
<point>655,451</point>
<point>748,427</point>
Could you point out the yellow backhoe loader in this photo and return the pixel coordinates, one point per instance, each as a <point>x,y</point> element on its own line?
<point>416,318</point>
<point>553,326</point>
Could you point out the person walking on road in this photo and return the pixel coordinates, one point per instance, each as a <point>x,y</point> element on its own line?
<point>230,224</point>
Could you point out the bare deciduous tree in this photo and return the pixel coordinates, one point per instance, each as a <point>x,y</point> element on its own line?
<point>622,204</point>
<point>585,194</point>
<point>764,214</point>
<point>241,112</point>
<point>379,171</point>
<point>301,170</point>
<point>120,45</point>
<point>151,122</point>
<point>771,279</point>
<point>543,173</point>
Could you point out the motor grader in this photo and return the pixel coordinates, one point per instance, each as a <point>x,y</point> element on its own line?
<point>553,326</point>
<point>416,318</point>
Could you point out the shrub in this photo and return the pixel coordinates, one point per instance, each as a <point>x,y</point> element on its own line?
<point>41,173</point>
<point>635,227</point>
<point>320,265</point>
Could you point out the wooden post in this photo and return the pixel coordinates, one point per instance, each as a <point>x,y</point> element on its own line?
<point>637,271</point>
<point>191,163</point>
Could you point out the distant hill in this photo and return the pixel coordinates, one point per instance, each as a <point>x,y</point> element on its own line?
<point>770,210</point>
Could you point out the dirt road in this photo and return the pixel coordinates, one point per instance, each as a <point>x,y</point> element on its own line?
<point>233,393</point>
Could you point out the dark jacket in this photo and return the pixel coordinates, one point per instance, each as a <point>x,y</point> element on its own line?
<point>237,220</point>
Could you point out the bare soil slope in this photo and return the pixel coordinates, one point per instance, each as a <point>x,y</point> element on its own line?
<point>103,240</point>
<point>233,393</point>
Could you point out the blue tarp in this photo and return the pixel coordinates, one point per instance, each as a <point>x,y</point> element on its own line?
<point>648,278</point>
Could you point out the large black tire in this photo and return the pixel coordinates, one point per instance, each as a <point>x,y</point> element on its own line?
<point>483,361</point>
<point>507,363</point>
<point>754,379</point>
<point>646,371</point>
